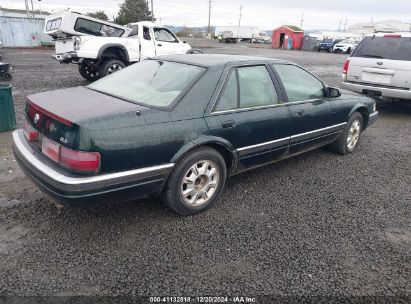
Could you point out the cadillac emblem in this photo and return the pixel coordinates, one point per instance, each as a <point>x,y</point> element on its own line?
<point>36,118</point>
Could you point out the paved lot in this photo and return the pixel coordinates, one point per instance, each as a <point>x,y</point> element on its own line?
<point>317,224</point>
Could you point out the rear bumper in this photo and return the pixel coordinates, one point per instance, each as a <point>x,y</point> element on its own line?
<point>383,91</point>
<point>66,56</point>
<point>75,190</point>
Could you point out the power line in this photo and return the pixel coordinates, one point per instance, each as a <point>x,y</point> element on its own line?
<point>302,20</point>
<point>345,25</point>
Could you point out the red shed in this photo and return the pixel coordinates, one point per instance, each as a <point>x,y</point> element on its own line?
<point>288,37</point>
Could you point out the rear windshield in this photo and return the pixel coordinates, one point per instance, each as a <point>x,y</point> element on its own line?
<point>384,48</point>
<point>151,82</point>
<point>97,29</point>
<point>53,24</point>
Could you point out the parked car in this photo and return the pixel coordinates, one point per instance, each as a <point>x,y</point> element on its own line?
<point>101,48</point>
<point>328,44</point>
<point>178,126</point>
<point>380,66</point>
<point>346,46</point>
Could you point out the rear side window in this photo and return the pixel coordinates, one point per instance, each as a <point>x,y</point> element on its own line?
<point>97,29</point>
<point>299,84</point>
<point>247,87</point>
<point>385,48</point>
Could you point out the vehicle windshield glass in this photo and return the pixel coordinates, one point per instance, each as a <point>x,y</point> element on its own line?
<point>327,40</point>
<point>150,82</point>
<point>385,48</point>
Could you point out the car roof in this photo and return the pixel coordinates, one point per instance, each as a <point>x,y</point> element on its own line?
<point>382,34</point>
<point>209,60</point>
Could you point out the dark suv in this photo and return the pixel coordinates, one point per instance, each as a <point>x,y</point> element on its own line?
<point>328,44</point>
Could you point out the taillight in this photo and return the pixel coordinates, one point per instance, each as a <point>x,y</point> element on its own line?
<point>79,161</point>
<point>346,64</point>
<point>392,36</point>
<point>30,133</point>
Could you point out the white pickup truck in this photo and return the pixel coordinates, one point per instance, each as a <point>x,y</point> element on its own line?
<point>101,48</point>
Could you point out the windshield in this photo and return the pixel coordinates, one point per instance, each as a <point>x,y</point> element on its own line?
<point>151,82</point>
<point>385,48</point>
<point>348,41</point>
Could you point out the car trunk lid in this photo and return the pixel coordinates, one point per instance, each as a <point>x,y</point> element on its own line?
<point>59,114</point>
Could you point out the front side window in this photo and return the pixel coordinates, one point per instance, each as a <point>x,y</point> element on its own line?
<point>150,82</point>
<point>247,87</point>
<point>97,29</point>
<point>162,34</point>
<point>299,84</point>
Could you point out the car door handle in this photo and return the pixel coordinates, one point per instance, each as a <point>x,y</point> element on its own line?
<point>159,44</point>
<point>300,112</point>
<point>228,124</point>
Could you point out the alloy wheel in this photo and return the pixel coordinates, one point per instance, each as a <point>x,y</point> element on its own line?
<point>114,68</point>
<point>353,134</point>
<point>200,183</point>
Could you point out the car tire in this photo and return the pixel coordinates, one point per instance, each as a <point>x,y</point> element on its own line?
<point>195,51</point>
<point>7,76</point>
<point>110,66</point>
<point>190,173</point>
<point>88,71</point>
<point>350,136</point>
<point>348,51</point>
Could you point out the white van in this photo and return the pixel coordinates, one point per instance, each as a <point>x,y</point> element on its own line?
<point>380,66</point>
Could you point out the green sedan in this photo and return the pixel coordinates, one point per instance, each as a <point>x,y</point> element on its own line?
<point>178,126</point>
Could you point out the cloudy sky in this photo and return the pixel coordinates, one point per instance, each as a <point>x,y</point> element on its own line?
<point>318,14</point>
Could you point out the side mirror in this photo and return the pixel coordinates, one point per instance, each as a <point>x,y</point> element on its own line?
<point>333,92</point>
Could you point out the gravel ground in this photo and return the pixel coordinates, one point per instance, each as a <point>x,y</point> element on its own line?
<point>318,224</point>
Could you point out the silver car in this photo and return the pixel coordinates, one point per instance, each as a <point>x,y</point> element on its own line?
<point>380,66</point>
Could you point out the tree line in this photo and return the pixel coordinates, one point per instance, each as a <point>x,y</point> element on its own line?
<point>130,11</point>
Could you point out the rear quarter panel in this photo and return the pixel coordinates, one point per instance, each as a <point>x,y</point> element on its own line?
<point>129,141</point>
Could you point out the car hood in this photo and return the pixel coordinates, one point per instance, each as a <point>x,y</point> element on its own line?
<point>80,104</point>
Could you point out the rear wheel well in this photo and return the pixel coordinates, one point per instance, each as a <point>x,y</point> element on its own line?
<point>364,113</point>
<point>225,153</point>
<point>115,53</point>
<point>228,157</point>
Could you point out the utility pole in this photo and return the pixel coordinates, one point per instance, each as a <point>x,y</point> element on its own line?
<point>152,11</point>
<point>302,20</point>
<point>209,17</point>
<point>339,26</point>
<point>239,21</point>
<point>345,25</point>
